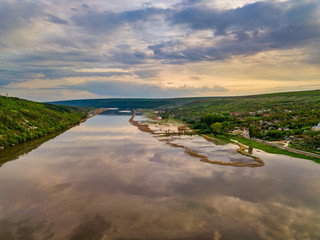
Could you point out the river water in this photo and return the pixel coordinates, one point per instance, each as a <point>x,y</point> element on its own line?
<point>105,179</point>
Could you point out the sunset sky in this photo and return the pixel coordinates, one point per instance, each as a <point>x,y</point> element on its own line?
<point>73,49</point>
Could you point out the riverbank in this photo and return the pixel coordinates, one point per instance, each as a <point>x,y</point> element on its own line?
<point>273,149</point>
<point>13,152</point>
<point>94,113</point>
<point>23,120</point>
<point>256,162</point>
<point>265,146</point>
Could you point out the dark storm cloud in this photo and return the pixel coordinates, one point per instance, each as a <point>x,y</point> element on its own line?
<point>41,37</point>
<point>179,52</point>
<point>253,16</point>
<point>104,22</point>
<point>247,30</point>
<point>250,29</point>
<point>250,16</point>
<point>168,53</point>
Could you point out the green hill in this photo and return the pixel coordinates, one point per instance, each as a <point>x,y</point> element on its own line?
<point>296,101</point>
<point>287,116</point>
<point>22,120</point>
<point>124,103</point>
<point>198,105</point>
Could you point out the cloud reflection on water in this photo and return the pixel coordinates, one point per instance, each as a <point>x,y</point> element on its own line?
<point>135,187</point>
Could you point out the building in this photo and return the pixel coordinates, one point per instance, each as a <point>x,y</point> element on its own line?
<point>316,128</point>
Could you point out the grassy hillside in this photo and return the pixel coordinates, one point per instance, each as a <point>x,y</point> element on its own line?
<point>286,117</point>
<point>125,103</point>
<point>22,120</point>
<point>199,105</point>
<point>277,101</point>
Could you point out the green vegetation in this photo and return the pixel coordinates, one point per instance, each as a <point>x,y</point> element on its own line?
<point>202,105</point>
<point>222,138</point>
<point>271,149</point>
<point>22,120</point>
<point>128,103</point>
<point>288,117</point>
<point>240,105</point>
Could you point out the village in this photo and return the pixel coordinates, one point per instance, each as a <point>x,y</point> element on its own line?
<point>295,128</point>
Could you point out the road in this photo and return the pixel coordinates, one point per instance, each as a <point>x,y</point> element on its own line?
<point>285,148</point>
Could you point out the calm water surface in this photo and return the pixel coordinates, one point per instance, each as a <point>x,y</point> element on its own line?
<point>105,180</point>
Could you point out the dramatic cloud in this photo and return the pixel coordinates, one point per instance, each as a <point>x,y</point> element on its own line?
<point>16,15</point>
<point>232,45</point>
<point>244,31</point>
<point>131,89</point>
<point>105,22</point>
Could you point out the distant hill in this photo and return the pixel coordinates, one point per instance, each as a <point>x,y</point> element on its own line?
<point>212,104</point>
<point>276,101</point>
<point>22,120</point>
<point>124,103</point>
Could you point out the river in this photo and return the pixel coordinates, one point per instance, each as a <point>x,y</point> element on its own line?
<point>105,179</point>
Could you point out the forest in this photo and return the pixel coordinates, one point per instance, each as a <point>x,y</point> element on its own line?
<point>291,118</point>
<point>22,120</point>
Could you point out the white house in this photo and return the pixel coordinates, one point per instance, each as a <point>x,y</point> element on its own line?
<point>316,128</point>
